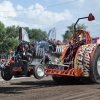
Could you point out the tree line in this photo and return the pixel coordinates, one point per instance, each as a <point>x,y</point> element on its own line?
<point>9,36</point>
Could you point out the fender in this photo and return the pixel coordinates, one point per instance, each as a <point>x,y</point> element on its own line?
<point>63,54</point>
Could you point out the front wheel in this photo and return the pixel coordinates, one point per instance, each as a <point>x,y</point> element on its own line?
<point>5,74</point>
<point>39,71</point>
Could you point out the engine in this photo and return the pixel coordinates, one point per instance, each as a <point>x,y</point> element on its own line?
<point>24,51</point>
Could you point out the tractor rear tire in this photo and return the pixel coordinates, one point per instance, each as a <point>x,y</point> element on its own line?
<point>95,68</point>
<point>39,71</point>
<point>5,74</point>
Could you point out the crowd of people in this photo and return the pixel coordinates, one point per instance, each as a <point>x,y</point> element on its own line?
<point>3,61</point>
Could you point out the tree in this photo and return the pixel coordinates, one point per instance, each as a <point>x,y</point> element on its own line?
<point>7,38</point>
<point>12,31</point>
<point>70,31</point>
<point>2,31</point>
<point>37,35</point>
<point>8,45</point>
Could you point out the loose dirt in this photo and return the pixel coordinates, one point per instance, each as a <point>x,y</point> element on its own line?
<point>47,89</point>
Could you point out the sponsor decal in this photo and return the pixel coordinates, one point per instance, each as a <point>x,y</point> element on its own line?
<point>83,57</point>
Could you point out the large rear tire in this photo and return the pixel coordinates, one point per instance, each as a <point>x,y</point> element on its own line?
<point>5,74</point>
<point>95,68</point>
<point>39,71</point>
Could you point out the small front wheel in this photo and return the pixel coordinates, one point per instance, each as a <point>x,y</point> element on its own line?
<point>5,74</point>
<point>39,71</point>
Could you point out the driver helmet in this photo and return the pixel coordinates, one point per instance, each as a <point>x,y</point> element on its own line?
<point>80,37</point>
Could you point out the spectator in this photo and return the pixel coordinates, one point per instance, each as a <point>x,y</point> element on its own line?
<point>2,62</point>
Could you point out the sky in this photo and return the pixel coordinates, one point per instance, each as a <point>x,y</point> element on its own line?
<point>47,14</point>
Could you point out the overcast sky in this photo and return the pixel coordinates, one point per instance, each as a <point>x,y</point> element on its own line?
<point>47,14</point>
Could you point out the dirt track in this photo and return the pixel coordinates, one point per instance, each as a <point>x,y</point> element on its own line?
<point>46,89</point>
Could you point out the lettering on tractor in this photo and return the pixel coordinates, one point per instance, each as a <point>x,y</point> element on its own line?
<point>83,58</point>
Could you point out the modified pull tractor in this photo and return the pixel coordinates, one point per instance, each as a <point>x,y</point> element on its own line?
<point>31,58</point>
<point>21,63</point>
<point>80,60</point>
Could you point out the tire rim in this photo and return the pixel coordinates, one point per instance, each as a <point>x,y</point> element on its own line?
<point>98,65</point>
<point>40,71</point>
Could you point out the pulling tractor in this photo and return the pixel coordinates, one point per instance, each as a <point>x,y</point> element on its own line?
<point>80,60</point>
<point>20,64</point>
<point>31,58</point>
